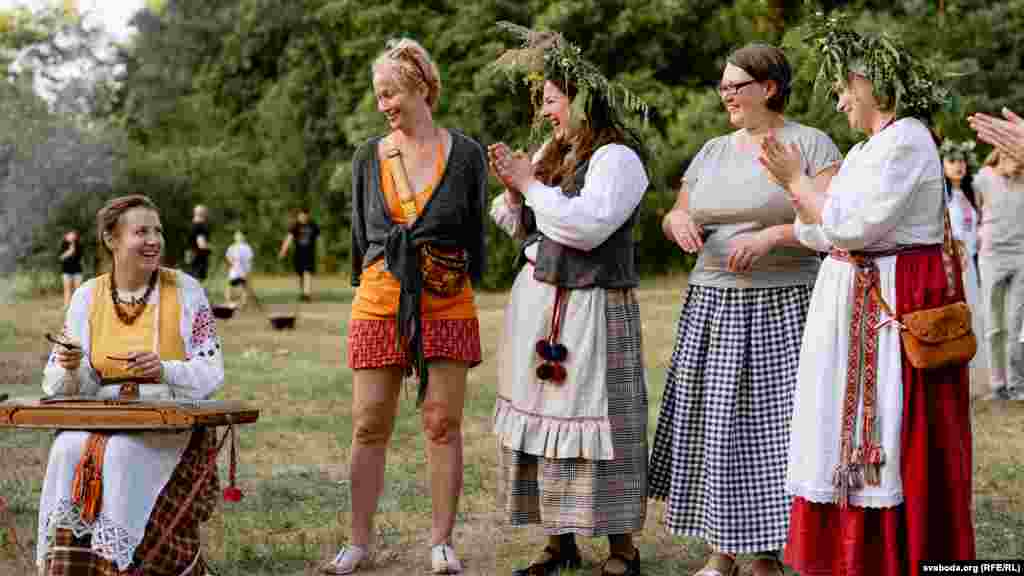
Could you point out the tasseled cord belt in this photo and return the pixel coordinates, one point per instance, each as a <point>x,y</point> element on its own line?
<point>861,465</point>
<point>550,350</point>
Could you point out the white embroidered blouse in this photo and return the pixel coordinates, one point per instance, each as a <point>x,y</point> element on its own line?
<point>886,194</point>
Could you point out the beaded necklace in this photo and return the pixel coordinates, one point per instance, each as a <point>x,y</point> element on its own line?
<point>139,306</point>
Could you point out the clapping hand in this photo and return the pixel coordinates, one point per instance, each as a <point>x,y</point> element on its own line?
<point>513,168</point>
<point>783,162</point>
<point>1007,135</point>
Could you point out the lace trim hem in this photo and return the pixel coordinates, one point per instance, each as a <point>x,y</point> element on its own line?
<point>109,540</point>
<point>830,496</point>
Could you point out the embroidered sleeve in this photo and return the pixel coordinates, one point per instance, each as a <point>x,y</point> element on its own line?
<point>84,381</point>
<point>202,372</point>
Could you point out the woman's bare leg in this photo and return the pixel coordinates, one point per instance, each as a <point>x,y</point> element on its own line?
<point>374,403</point>
<point>442,423</point>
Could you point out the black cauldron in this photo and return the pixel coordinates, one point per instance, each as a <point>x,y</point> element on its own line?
<point>223,311</point>
<point>282,322</point>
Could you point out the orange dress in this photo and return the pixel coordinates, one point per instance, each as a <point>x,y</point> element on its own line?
<point>450,326</point>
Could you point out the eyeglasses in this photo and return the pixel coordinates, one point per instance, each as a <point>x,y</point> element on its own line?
<point>733,89</point>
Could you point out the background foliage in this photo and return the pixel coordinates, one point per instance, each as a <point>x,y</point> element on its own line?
<point>255,107</point>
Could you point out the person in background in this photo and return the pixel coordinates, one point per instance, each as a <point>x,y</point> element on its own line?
<point>199,244</point>
<point>70,264</point>
<point>957,160</point>
<point>1000,189</point>
<point>719,456</point>
<point>239,258</point>
<point>303,235</point>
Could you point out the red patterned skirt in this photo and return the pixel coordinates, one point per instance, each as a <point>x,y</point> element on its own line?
<point>179,554</point>
<point>935,520</point>
<point>371,343</point>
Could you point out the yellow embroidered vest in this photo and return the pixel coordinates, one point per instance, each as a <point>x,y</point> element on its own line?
<point>157,329</point>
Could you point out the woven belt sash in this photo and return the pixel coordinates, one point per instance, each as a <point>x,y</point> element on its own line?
<point>861,464</point>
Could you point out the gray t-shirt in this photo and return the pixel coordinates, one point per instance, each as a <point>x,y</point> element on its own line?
<point>731,194</point>
<point>1002,214</point>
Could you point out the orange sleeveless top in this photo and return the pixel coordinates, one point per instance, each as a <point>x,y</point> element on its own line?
<point>378,292</point>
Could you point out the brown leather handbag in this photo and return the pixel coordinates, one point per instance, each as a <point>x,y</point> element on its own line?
<point>941,336</point>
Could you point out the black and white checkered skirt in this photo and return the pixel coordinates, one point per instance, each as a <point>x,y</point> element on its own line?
<point>593,497</point>
<point>720,448</point>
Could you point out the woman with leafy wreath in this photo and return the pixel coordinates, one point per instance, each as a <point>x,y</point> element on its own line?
<point>880,451</point>
<point>958,160</point>
<point>571,414</point>
<point>719,457</point>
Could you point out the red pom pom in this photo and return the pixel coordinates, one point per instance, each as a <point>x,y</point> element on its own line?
<point>232,494</point>
<point>558,373</point>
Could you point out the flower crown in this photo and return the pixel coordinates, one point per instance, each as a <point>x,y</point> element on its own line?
<point>953,150</point>
<point>545,54</point>
<point>902,83</point>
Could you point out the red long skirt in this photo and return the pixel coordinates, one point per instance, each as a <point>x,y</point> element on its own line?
<point>935,521</point>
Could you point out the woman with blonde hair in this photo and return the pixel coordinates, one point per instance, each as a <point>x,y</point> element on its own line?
<point>417,242</point>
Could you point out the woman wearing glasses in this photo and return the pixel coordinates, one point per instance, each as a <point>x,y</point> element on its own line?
<point>720,450</point>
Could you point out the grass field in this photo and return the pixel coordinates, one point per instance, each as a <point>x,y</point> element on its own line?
<point>294,460</point>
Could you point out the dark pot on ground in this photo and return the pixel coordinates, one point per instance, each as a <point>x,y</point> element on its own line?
<point>282,322</point>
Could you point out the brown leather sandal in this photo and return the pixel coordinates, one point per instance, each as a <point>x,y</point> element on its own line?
<point>557,561</point>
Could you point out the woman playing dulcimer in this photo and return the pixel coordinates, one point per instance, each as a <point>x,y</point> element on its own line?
<point>140,331</point>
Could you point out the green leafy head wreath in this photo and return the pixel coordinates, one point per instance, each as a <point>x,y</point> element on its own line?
<point>902,83</point>
<point>953,150</point>
<point>547,55</point>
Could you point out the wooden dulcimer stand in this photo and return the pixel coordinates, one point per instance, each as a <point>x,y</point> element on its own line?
<point>132,415</point>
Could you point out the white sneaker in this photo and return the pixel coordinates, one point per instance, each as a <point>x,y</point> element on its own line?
<point>444,561</point>
<point>347,561</point>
